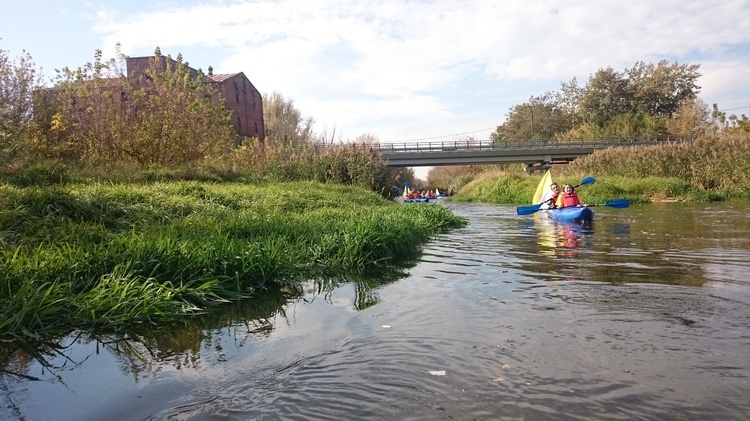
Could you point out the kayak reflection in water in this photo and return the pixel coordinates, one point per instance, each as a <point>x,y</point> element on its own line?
<point>555,236</point>
<point>568,236</point>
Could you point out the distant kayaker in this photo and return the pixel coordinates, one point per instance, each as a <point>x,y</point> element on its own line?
<point>568,197</point>
<point>550,197</point>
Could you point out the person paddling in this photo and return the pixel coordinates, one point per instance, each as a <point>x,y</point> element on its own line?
<point>568,198</point>
<point>550,197</point>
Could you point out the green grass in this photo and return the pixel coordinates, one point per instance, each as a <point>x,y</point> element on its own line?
<point>105,257</point>
<point>713,168</point>
<point>518,189</point>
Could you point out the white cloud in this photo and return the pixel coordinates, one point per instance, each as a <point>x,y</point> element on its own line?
<point>413,69</point>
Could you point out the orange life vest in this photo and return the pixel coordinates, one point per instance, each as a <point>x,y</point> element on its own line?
<point>568,199</point>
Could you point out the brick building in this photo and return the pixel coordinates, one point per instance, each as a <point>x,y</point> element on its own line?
<point>242,98</point>
<point>239,93</point>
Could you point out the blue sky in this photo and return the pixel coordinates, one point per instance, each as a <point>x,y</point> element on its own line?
<point>400,70</point>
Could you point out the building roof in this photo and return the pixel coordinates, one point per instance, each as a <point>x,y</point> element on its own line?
<point>221,77</point>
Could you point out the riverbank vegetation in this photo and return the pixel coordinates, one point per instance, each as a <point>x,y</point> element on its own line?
<point>99,124</point>
<point>712,168</point>
<point>108,257</point>
<point>127,203</point>
<point>705,154</point>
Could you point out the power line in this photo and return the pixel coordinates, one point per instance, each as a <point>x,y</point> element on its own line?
<point>447,135</point>
<point>732,109</point>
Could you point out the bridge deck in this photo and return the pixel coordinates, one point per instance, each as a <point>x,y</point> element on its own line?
<point>529,152</point>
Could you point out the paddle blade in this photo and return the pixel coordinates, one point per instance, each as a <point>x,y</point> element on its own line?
<point>587,180</point>
<point>528,210</point>
<point>619,204</point>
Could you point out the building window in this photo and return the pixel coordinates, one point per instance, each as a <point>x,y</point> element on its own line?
<point>239,124</point>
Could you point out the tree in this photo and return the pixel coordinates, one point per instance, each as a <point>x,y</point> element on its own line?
<point>166,116</point>
<point>180,119</point>
<point>605,96</point>
<point>693,118</point>
<point>518,124</point>
<point>569,98</point>
<point>542,117</point>
<point>637,102</point>
<point>85,112</point>
<point>660,90</point>
<point>284,122</point>
<point>19,79</point>
<point>740,124</point>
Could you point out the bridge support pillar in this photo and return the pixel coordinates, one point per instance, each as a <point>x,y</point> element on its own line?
<point>537,166</point>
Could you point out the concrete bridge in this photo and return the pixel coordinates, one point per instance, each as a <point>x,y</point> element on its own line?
<point>536,154</point>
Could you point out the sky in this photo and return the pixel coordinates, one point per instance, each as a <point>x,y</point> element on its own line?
<point>400,70</point>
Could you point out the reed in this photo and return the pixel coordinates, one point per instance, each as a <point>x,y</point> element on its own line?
<point>712,168</point>
<point>718,165</point>
<point>105,257</point>
<point>499,187</point>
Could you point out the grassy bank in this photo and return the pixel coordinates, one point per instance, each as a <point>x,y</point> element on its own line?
<point>354,164</point>
<point>712,168</point>
<point>105,257</point>
<point>518,188</point>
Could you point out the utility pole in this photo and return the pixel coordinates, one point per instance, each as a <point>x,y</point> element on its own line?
<point>531,111</point>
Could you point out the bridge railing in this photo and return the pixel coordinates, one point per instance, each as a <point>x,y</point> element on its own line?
<point>475,145</point>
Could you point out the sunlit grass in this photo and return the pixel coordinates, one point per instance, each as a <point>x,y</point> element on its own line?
<point>108,256</point>
<point>710,169</point>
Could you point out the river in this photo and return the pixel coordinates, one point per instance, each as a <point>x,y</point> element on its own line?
<point>643,314</point>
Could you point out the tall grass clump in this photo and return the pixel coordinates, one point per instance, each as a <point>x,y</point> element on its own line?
<point>456,176</point>
<point>104,257</point>
<point>353,164</point>
<point>252,161</point>
<point>716,163</point>
<point>712,168</point>
<point>499,187</point>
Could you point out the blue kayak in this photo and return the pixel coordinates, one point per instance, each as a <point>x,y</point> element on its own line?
<point>419,200</point>
<point>574,213</point>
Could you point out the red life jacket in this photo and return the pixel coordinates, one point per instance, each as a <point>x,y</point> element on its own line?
<point>568,199</point>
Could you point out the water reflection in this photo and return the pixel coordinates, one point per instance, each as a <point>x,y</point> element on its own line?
<point>562,237</point>
<point>608,250</point>
<point>140,352</point>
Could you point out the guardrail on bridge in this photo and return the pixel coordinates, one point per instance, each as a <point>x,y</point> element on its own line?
<point>535,154</point>
<point>523,144</point>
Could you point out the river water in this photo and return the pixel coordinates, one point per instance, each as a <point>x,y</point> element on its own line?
<point>643,314</point>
